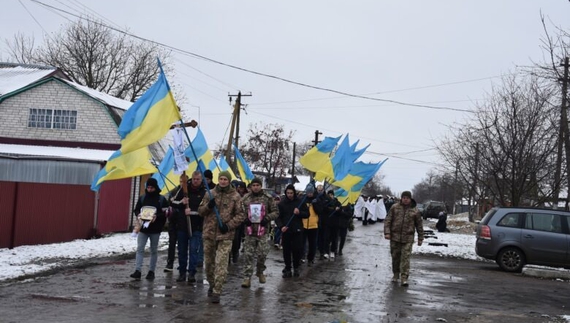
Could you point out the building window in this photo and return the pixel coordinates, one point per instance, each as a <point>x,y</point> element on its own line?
<point>52,119</point>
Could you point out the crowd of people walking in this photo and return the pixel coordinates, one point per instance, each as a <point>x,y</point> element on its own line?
<point>209,224</point>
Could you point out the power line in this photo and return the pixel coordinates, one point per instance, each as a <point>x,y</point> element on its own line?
<point>254,105</point>
<point>255,72</point>
<point>329,130</point>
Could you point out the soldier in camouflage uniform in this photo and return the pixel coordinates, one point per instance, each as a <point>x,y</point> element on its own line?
<point>218,237</point>
<point>256,234</point>
<point>399,227</point>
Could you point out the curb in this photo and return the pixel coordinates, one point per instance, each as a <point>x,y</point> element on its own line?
<point>546,272</point>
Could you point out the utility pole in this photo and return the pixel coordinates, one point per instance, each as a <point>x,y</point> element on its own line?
<point>293,165</point>
<point>455,187</point>
<point>316,141</point>
<point>234,127</point>
<point>564,121</point>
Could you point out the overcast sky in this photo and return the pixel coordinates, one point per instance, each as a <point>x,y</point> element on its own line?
<point>436,53</point>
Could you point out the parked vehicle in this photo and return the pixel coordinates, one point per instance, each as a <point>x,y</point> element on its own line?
<point>514,237</point>
<point>432,209</point>
<point>420,207</point>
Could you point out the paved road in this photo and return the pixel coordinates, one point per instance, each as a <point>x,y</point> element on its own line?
<point>355,288</point>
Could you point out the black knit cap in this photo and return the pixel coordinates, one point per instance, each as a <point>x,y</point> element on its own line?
<point>256,180</point>
<point>407,194</point>
<point>208,174</point>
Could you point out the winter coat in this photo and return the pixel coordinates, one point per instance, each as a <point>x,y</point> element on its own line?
<point>341,218</point>
<point>159,202</point>
<point>335,217</point>
<point>402,222</point>
<point>179,219</point>
<point>313,207</point>
<point>288,218</point>
<point>230,208</point>
<point>271,211</point>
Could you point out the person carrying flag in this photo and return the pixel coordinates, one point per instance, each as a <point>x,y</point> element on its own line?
<point>291,212</point>
<point>223,213</point>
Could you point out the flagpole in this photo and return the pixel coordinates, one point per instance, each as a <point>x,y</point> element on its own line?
<point>203,177</point>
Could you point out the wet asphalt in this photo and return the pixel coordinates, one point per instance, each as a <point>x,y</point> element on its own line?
<point>355,287</point>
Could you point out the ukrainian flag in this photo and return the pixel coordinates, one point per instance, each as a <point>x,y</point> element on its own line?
<point>357,173</point>
<point>150,117</point>
<point>319,155</point>
<point>145,122</point>
<point>354,191</point>
<point>244,170</point>
<point>135,163</point>
<point>223,165</point>
<point>166,167</point>
<point>339,165</point>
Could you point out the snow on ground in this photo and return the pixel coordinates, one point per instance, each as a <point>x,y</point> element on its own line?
<point>28,260</point>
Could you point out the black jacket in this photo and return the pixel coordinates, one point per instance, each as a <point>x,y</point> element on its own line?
<point>179,218</point>
<point>157,201</point>
<point>286,216</point>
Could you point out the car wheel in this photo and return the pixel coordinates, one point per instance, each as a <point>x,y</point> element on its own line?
<point>511,260</point>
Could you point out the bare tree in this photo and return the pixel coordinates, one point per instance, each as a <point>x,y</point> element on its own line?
<point>507,152</point>
<point>268,149</point>
<point>21,48</point>
<point>97,57</point>
<point>376,186</point>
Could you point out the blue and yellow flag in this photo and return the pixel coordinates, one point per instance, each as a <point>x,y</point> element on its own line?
<point>244,170</point>
<point>339,165</point>
<point>365,175</point>
<point>357,153</point>
<point>135,163</point>
<point>145,122</point>
<point>223,165</point>
<point>319,155</point>
<point>164,168</point>
<point>357,173</point>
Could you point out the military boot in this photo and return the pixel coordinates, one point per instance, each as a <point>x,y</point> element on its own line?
<point>246,283</point>
<point>262,278</point>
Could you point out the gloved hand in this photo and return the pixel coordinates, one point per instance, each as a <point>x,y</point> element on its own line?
<point>212,203</point>
<point>264,222</point>
<point>224,228</point>
<point>247,222</point>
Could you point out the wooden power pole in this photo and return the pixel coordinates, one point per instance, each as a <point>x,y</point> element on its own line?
<point>234,128</point>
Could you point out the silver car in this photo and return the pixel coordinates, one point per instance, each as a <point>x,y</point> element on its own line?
<point>514,237</point>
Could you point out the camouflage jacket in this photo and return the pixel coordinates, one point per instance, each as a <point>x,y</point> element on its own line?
<point>271,211</point>
<point>228,203</point>
<point>402,222</point>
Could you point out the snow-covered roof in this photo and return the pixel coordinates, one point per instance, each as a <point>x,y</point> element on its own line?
<point>50,151</point>
<point>17,76</point>
<point>103,97</point>
<point>13,78</point>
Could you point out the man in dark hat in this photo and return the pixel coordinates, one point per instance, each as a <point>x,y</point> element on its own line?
<point>400,226</point>
<point>209,179</point>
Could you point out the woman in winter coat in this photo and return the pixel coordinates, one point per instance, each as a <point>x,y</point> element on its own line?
<point>149,229</point>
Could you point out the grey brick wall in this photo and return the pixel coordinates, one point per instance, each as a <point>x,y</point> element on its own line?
<point>94,124</point>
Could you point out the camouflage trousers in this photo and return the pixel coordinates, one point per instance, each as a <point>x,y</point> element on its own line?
<point>401,254</point>
<point>255,247</point>
<point>216,259</point>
